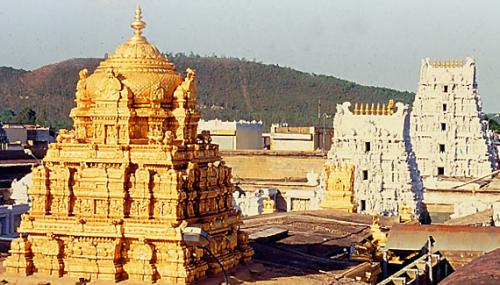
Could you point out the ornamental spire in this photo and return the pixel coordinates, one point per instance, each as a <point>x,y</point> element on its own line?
<point>138,24</point>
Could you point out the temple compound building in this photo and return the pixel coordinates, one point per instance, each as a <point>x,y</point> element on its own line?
<point>449,133</point>
<point>113,195</point>
<point>370,167</point>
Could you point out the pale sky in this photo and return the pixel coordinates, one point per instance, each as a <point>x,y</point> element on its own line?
<point>370,42</point>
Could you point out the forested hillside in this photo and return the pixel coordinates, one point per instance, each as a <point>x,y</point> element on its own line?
<point>228,89</point>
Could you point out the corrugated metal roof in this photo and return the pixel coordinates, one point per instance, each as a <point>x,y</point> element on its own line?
<point>483,270</point>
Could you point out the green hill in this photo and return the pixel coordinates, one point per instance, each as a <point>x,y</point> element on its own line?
<point>228,89</point>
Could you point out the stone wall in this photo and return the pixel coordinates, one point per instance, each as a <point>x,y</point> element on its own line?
<point>273,165</point>
<point>290,179</point>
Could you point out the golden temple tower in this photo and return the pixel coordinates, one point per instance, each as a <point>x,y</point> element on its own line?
<point>112,196</point>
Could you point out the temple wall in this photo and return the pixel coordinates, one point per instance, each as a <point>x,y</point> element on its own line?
<point>273,165</point>
<point>224,142</point>
<point>291,177</point>
<point>295,144</point>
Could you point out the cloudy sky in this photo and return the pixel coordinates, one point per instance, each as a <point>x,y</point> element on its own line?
<point>373,42</point>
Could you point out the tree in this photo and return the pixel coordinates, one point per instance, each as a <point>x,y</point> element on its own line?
<point>6,116</point>
<point>492,121</point>
<point>26,116</point>
<point>42,119</point>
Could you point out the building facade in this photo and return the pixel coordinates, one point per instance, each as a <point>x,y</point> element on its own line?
<point>449,132</point>
<point>235,135</point>
<point>284,138</point>
<point>374,142</point>
<point>21,136</point>
<point>12,209</point>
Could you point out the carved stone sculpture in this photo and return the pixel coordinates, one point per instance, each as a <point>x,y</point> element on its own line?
<point>339,190</point>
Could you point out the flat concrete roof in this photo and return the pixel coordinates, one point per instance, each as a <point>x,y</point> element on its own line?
<point>446,237</point>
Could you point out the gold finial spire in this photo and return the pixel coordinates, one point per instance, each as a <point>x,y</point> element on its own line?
<point>390,107</point>
<point>138,24</point>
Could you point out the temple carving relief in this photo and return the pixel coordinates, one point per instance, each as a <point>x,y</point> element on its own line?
<point>339,190</point>
<point>112,196</point>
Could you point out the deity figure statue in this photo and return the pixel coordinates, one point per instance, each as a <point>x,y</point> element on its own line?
<point>168,138</point>
<point>81,86</point>
<point>110,90</point>
<point>157,96</point>
<point>155,135</point>
<point>65,136</point>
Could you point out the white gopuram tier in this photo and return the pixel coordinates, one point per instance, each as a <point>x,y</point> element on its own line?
<point>376,141</point>
<point>448,131</point>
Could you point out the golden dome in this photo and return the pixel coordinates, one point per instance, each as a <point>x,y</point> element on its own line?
<point>139,65</point>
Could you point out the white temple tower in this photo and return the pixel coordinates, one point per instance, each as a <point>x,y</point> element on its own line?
<point>376,141</point>
<point>449,134</point>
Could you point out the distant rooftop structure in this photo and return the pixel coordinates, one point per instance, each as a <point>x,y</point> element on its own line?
<point>284,137</point>
<point>20,136</point>
<point>234,135</point>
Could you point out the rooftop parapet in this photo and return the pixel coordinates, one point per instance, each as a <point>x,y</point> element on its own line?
<point>448,63</point>
<point>461,71</point>
<point>365,109</point>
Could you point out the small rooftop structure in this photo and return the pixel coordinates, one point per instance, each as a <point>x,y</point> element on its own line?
<point>283,137</point>
<point>235,135</point>
<point>455,197</point>
<point>21,136</point>
<point>26,133</point>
